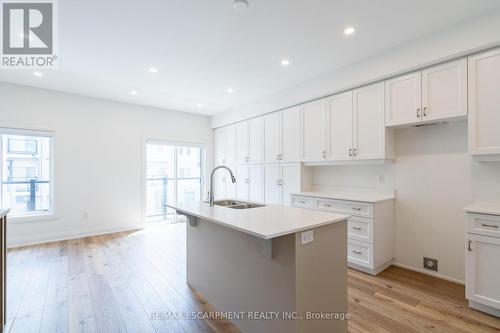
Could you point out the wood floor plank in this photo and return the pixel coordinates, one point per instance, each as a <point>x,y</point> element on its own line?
<point>117,282</point>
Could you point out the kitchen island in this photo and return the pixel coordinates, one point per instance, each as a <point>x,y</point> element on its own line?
<point>269,268</point>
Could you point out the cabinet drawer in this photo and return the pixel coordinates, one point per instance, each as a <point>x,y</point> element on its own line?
<point>303,202</point>
<point>482,224</point>
<point>359,228</point>
<point>353,208</point>
<point>360,253</point>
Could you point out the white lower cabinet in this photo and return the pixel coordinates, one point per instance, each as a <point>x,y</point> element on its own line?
<point>482,263</point>
<point>249,183</point>
<point>280,180</point>
<point>369,229</point>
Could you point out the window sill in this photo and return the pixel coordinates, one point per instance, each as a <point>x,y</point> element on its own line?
<point>32,218</point>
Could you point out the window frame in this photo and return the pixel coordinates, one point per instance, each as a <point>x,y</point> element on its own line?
<point>35,216</point>
<point>175,144</point>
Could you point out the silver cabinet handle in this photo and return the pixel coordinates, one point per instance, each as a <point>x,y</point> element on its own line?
<point>350,152</point>
<point>418,112</point>
<point>489,225</point>
<point>247,180</point>
<point>355,152</point>
<point>327,205</point>
<point>469,246</point>
<point>324,153</point>
<point>302,201</point>
<point>277,157</point>
<point>425,111</point>
<point>224,161</point>
<point>356,252</point>
<point>356,208</point>
<point>281,157</point>
<point>357,228</point>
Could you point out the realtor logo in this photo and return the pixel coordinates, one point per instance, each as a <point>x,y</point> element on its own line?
<point>28,34</point>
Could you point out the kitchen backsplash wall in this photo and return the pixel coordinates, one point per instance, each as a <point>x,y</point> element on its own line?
<point>434,178</point>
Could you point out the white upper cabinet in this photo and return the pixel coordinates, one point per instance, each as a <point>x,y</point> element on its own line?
<point>291,135</point>
<point>369,134</point>
<point>403,99</point>
<point>256,143</point>
<point>282,136</point>
<point>484,103</point>
<point>314,130</point>
<point>340,119</point>
<point>256,175</point>
<point>273,137</point>
<point>220,145</point>
<point>243,142</point>
<point>231,144</point>
<point>436,93</point>
<point>444,91</point>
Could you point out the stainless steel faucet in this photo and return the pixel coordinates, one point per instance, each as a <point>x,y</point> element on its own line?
<point>211,193</point>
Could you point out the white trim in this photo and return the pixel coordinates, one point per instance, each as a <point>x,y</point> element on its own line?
<point>70,235</point>
<point>26,132</point>
<point>437,275</point>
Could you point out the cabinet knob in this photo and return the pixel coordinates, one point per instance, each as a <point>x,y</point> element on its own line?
<point>425,111</point>
<point>469,246</point>
<point>350,152</point>
<point>355,152</point>
<point>418,112</point>
<point>324,153</point>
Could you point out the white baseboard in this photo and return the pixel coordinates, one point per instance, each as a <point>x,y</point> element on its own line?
<point>69,235</point>
<point>427,272</point>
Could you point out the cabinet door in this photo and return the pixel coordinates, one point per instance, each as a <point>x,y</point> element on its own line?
<point>256,173</point>
<point>482,271</point>
<point>231,144</point>
<point>484,103</point>
<point>369,125</point>
<point>242,142</point>
<point>242,182</point>
<point>256,135</point>
<point>272,137</point>
<point>219,185</point>
<point>220,145</point>
<point>403,100</point>
<point>314,130</point>
<point>340,140</point>
<point>272,188</point>
<point>290,181</point>
<point>444,91</point>
<point>291,135</point>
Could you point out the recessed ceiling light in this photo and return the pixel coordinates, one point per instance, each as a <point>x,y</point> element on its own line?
<point>133,92</point>
<point>38,74</point>
<point>153,70</point>
<point>199,105</point>
<point>240,5</point>
<point>285,62</point>
<point>349,31</point>
<point>230,90</point>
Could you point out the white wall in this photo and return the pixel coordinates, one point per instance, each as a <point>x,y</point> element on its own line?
<point>435,179</point>
<point>98,156</point>
<point>455,41</point>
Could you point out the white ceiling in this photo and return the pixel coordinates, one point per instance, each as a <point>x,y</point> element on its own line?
<point>203,47</point>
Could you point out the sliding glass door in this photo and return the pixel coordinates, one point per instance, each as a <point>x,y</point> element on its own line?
<point>174,173</point>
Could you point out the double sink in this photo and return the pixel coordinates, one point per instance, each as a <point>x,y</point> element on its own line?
<point>236,204</point>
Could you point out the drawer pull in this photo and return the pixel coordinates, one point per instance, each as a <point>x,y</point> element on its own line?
<point>356,208</point>
<point>356,252</point>
<point>302,201</point>
<point>468,246</point>
<point>327,205</point>
<point>357,228</point>
<point>489,225</point>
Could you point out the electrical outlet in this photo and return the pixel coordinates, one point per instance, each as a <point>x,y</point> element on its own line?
<point>306,237</point>
<point>431,264</point>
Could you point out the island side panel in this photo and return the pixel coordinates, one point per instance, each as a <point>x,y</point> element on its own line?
<point>233,272</point>
<point>321,270</point>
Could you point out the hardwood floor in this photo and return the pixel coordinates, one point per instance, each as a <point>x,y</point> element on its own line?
<point>129,282</point>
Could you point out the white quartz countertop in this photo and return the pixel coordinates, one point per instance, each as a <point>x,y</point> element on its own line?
<point>266,222</point>
<point>483,207</point>
<point>370,197</point>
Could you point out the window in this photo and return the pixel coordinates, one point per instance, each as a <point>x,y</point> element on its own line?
<point>26,172</point>
<point>174,172</point>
